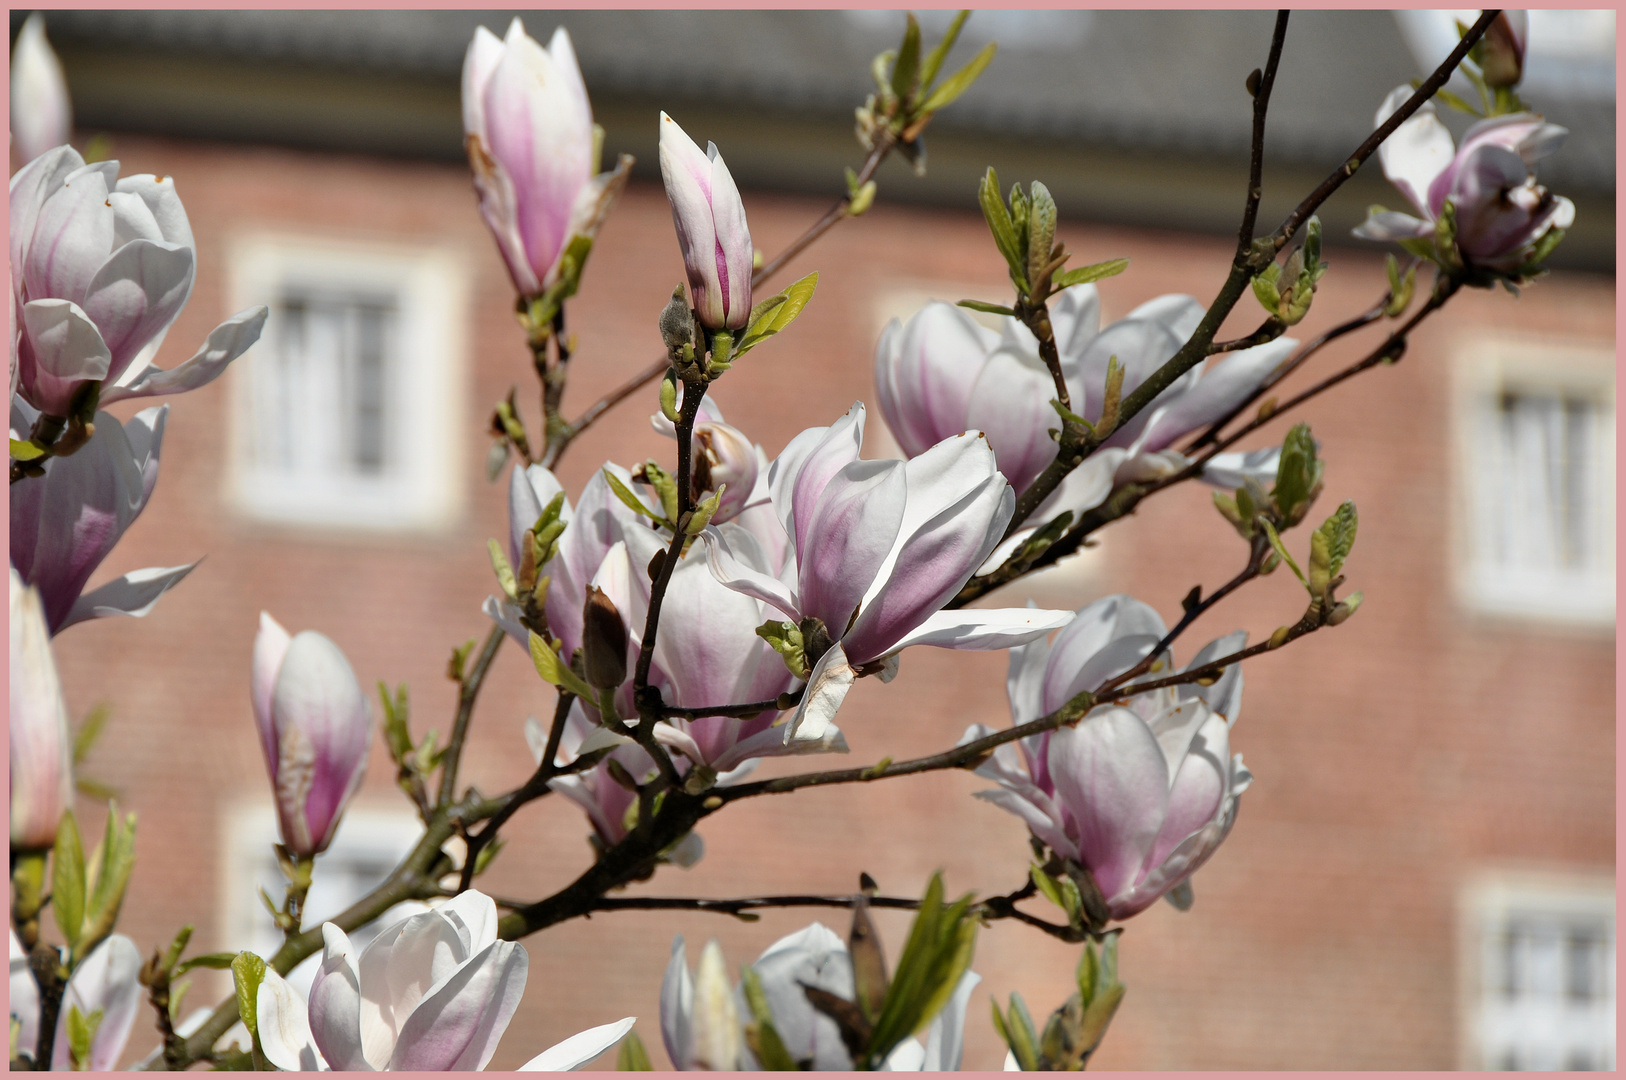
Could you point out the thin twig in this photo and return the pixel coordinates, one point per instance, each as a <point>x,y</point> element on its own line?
<point>468,692</point>
<point>1256,157</point>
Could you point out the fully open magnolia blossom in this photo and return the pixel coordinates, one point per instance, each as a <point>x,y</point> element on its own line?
<point>105,981</point>
<point>879,547</point>
<point>703,1017</point>
<point>710,220</point>
<point>1139,794</point>
<point>66,521</point>
<point>41,112</point>
<point>433,993</point>
<point>315,728</point>
<point>707,651</point>
<point>1501,212</point>
<point>942,372</point>
<point>41,748</point>
<point>100,267</point>
<point>530,136</point>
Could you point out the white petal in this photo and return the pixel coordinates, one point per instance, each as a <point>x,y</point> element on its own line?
<point>133,594</point>
<point>982,628</point>
<point>827,687</point>
<point>580,1049</point>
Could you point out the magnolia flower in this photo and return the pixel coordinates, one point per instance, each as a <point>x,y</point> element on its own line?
<point>1142,795</point>
<point>41,113</point>
<point>942,373</point>
<point>41,748</point>
<point>315,727</point>
<point>703,1018</point>
<point>433,993</point>
<point>100,267</point>
<point>530,136</point>
<point>64,523</point>
<point>104,981</point>
<point>1500,209</point>
<point>880,547</point>
<point>711,228</point>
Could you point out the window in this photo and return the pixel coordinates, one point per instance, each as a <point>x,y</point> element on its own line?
<point>367,846</point>
<point>346,413</point>
<point>1538,452</point>
<point>1540,966</point>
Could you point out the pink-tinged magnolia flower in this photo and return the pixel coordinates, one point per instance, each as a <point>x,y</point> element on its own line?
<point>1500,209</point>
<point>702,1017</point>
<point>41,112</point>
<point>942,373</point>
<point>105,981</point>
<point>433,993</point>
<point>529,132</point>
<point>41,748</point>
<point>1140,795</point>
<point>711,228</point>
<point>64,523</point>
<point>100,267</point>
<point>880,547</point>
<point>315,728</point>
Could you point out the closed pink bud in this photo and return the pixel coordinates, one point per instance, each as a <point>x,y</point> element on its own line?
<point>710,220</point>
<point>531,142</point>
<point>315,729</point>
<point>41,750</point>
<point>1503,57</point>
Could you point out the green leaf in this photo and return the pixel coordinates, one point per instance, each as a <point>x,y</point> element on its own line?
<point>1330,545</point>
<point>505,573</point>
<point>1104,994</point>
<point>218,961</point>
<point>89,732</point>
<point>786,639</point>
<point>992,309</point>
<point>959,82</point>
<point>934,59</point>
<point>1083,275</point>
<point>248,971</point>
<point>906,70</point>
<point>555,671</point>
<point>1276,542</point>
<point>665,488</point>
<point>937,952</point>
<point>68,881</point>
<point>1041,231</point>
<point>632,1057</point>
<point>1264,288</point>
<point>999,220</point>
<point>109,877</point>
<point>1297,473</point>
<point>25,451</point>
<point>632,501</point>
<point>760,1033</point>
<point>1018,1033</point>
<point>778,316</point>
<point>81,1033</point>
<point>396,735</point>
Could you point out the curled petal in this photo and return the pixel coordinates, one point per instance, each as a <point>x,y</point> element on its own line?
<point>580,1049</point>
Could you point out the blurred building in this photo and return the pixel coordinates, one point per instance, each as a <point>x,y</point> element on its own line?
<point>1422,876</point>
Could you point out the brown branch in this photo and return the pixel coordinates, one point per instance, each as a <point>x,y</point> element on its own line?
<point>468,691</point>
<point>1256,157</point>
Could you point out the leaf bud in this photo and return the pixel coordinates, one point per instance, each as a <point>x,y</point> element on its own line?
<point>604,641</point>
<point>677,322</point>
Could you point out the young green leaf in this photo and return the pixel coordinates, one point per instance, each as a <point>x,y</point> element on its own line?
<point>25,451</point>
<point>934,59</point>
<point>504,572</point>
<point>992,309</point>
<point>248,971</point>
<point>760,1034</point>
<point>1083,275</point>
<point>1276,542</point>
<point>776,317</point>
<point>959,82</point>
<point>632,1057</point>
<point>906,70</point>
<point>553,670</point>
<point>632,501</point>
<point>998,216</point>
<point>81,1034</point>
<point>68,881</point>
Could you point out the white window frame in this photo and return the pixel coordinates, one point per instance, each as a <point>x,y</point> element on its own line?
<point>421,488</point>
<point>1486,368</point>
<point>373,836</point>
<point>1490,902</point>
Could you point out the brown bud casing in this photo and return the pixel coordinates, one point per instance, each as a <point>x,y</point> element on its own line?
<point>604,641</point>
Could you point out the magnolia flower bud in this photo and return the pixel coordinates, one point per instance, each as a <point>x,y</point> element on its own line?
<point>528,128</point>
<point>604,641</point>
<point>41,113</point>
<point>716,1020</point>
<point>677,322</point>
<point>1502,59</point>
<point>724,457</point>
<point>315,728</point>
<point>41,749</point>
<point>711,228</point>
